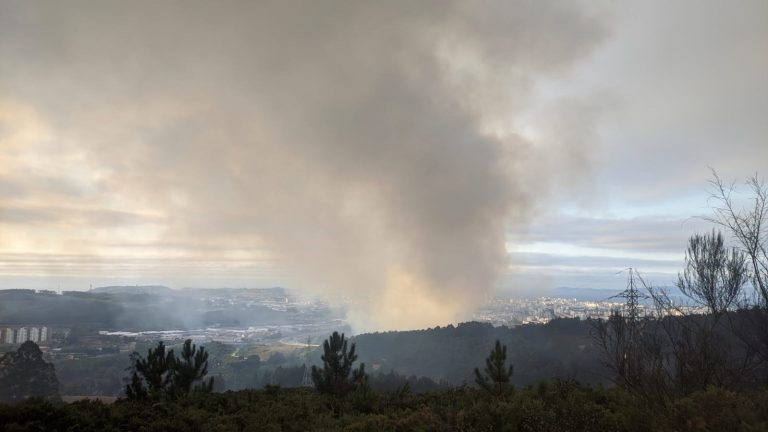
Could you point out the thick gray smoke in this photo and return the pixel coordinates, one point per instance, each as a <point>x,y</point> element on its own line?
<point>373,147</point>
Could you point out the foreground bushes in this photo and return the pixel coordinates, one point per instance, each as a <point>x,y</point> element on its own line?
<point>559,406</point>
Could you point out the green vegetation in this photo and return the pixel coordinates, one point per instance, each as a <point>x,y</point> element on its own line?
<point>495,379</point>
<point>556,406</point>
<point>162,375</point>
<point>676,353</point>
<point>334,377</point>
<point>562,348</point>
<point>97,376</point>
<point>24,374</point>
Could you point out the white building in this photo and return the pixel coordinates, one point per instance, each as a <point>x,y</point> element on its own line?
<point>9,335</point>
<point>34,334</point>
<point>22,335</point>
<point>18,335</point>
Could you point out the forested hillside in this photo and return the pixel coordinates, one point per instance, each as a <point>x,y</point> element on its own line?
<point>562,348</point>
<point>120,308</point>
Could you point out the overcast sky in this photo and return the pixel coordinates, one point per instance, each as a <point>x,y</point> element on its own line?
<point>435,151</point>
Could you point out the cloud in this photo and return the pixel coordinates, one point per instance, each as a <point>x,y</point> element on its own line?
<point>655,234</point>
<point>688,86</point>
<point>545,260</point>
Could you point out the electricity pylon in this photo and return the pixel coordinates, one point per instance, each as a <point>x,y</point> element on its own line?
<point>632,295</point>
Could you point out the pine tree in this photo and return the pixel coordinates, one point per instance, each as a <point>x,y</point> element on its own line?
<point>190,370</point>
<point>162,375</point>
<point>334,377</point>
<point>151,376</point>
<point>496,376</point>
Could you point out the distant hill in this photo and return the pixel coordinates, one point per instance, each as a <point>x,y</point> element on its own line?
<point>140,308</point>
<point>592,294</point>
<point>69,309</point>
<point>589,294</point>
<point>246,292</point>
<point>134,289</point>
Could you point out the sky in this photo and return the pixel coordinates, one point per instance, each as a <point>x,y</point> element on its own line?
<point>422,156</point>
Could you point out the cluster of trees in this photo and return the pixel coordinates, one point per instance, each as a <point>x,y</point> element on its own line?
<point>676,353</point>
<point>24,374</point>
<point>163,375</point>
<point>338,378</point>
<point>101,375</point>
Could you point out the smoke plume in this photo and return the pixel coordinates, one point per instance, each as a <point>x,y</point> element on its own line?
<point>373,149</point>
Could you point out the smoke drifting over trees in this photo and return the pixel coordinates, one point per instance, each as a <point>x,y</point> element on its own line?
<point>370,149</point>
